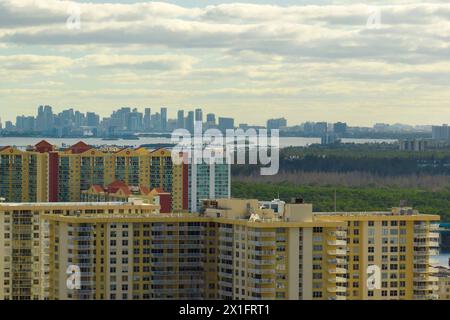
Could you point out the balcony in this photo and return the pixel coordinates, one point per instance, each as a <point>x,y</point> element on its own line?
<point>261,243</point>
<point>433,270</point>
<point>337,252</point>
<point>426,253</point>
<point>337,271</point>
<point>433,244</point>
<point>421,227</point>
<point>226,239</point>
<point>426,279</point>
<point>337,243</point>
<point>261,281</point>
<point>337,289</point>
<point>225,274</point>
<point>337,280</point>
<point>263,290</point>
<point>338,261</point>
<point>434,227</point>
<point>426,288</point>
<point>427,235</point>
<point>225,284</point>
<point>262,262</point>
<point>262,234</point>
<point>426,297</point>
<point>425,260</point>
<point>259,271</point>
<point>339,234</point>
<point>338,298</point>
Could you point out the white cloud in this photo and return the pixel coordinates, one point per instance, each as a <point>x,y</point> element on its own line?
<point>312,55</point>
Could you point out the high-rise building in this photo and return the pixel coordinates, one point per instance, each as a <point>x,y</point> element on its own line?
<point>399,244</point>
<point>441,132</point>
<point>276,123</point>
<point>45,174</point>
<point>25,124</point>
<point>23,175</point>
<point>45,119</point>
<point>320,128</point>
<point>163,119</point>
<point>210,120</point>
<point>81,166</point>
<point>9,126</point>
<point>147,119</point>
<point>79,119</point>
<point>92,119</point>
<point>27,271</point>
<point>226,123</point>
<point>340,128</point>
<point>180,119</point>
<point>156,122</point>
<point>189,124</point>
<point>199,115</point>
<point>135,121</point>
<point>208,181</point>
<point>235,249</point>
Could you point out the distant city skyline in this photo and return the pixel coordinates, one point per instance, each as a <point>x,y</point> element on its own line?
<point>165,119</point>
<point>302,60</point>
<point>130,123</point>
<point>240,117</point>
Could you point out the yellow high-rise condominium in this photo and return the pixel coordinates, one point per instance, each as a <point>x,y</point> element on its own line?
<point>24,241</point>
<point>400,243</point>
<point>44,173</point>
<point>82,166</point>
<point>23,175</point>
<point>233,249</point>
<point>41,173</point>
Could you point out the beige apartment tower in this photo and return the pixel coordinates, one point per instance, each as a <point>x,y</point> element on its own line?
<point>232,249</point>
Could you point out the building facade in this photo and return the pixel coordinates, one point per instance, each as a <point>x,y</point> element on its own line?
<point>400,243</point>
<point>232,249</point>
<point>23,175</point>
<point>43,173</point>
<point>25,266</point>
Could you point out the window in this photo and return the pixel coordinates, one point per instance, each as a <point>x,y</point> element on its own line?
<point>317,294</point>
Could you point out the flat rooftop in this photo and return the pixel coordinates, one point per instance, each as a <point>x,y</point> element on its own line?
<point>71,204</point>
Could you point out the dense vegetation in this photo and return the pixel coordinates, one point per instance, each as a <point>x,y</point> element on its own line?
<point>379,159</point>
<point>352,179</point>
<point>365,176</point>
<point>349,199</point>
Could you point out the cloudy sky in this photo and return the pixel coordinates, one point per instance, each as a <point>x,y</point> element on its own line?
<point>361,62</point>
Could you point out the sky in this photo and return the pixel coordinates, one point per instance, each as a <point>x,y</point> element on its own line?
<point>357,61</point>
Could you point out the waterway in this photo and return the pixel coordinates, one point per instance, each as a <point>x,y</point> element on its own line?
<point>23,142</point>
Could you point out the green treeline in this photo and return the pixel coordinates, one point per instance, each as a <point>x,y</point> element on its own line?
<point>378,159</point>
<point>349,199</point>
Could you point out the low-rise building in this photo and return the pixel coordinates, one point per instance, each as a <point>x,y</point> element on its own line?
<point>118,191</point>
